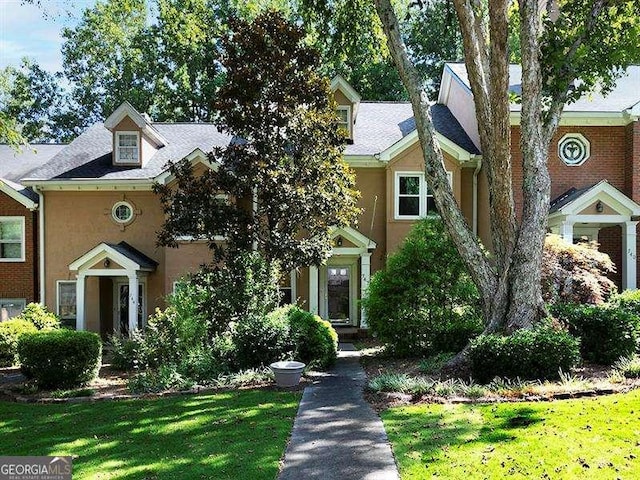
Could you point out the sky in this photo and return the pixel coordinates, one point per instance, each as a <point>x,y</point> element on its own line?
<point>35,32</point>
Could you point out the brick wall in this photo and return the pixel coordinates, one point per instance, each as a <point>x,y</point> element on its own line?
<point>615,157</point>
<point>20,279</point>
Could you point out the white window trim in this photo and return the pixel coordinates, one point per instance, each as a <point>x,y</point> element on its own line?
<point>126,204</point>
<point>423,195</point>
<point>117,148</point>
<point>23,301</point>
<point>346,108</point>
<point>58,283</point>
<point>23,242</point>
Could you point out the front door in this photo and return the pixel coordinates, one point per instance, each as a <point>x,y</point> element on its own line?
<point>339,293</point>
<point>122,307</point>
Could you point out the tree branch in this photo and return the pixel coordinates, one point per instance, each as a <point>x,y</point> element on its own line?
<point>466,242</point>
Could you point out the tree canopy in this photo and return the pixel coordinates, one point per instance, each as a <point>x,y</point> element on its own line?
<point>565,52</point>
<point>281,184</point>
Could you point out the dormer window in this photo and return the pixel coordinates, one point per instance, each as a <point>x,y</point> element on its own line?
<point>127,147</point>
<point>344,118</point>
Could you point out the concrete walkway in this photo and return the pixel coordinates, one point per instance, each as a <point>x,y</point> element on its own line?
<point>336,434</point>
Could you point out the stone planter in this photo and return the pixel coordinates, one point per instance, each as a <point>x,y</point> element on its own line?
<point>287,373</point>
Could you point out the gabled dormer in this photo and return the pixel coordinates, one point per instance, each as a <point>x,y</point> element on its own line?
<point>135,139</point>
<point>348,102</point>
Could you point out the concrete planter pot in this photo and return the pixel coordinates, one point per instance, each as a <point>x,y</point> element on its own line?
<point>287,373</point>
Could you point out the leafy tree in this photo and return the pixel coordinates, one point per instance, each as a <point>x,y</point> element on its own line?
<point>36,101</point>
<point>285,166</point>
<point>106,60</point>
<point>589,40</point>
<point>188,74</point>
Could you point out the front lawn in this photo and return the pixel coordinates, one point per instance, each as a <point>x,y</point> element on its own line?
<point>235,434</point>
<point>589,438</point>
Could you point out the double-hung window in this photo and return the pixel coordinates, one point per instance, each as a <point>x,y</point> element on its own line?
<point>11,307</point>
<point>127,147</point>
<point>344,118</point>
<point>12,238</point>
<point>413,199</point>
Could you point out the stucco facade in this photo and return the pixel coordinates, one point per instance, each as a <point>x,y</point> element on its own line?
<point>100,221</point>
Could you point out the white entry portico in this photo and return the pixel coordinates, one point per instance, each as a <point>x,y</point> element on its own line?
<point>120,261</point>
<point>583,212</point>
<point>348,266</point>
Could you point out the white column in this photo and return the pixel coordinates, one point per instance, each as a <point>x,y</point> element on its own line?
<point>80,322</point>
<point>313,289</point>
<point>629,257</point>
<point>566,231</point>
<point>365,276</point>
<point>294,286</point>
<point>133,303</point>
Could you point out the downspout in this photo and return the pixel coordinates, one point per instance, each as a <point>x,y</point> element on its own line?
<point>41,242</point>
<point>475,196</point>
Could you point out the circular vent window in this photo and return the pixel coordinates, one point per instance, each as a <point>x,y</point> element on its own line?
<point>573,149</point>
<point>122,212</point>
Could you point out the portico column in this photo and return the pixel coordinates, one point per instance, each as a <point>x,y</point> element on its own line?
<point>566,231</point>
<point>629,257</point>
<point>133,303</point>
<point>80,283</point>
<point>365,276</point>
<point>313,289</point>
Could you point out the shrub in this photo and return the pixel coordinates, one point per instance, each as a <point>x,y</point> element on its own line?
<point>165,377</point>
<point>60,358</point>
<point>422,288</point>
<point>629,300</point>
<point>245,286</point>
<point>607,333</point>
<point>40,316</point>
<point>315,340</point>
<point>261,340</point>
<point>124,352</point>
<point>10,333</point>
<point>526,354</point>
<point>575,272</point>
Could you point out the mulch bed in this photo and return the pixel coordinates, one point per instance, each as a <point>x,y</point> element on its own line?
<point>374,364</point>
<point>110,385</point>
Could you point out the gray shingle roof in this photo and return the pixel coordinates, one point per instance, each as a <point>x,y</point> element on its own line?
<point>89,155</point>
<point>15,165</point>
<point>135,255</point>
<point>624,95</point>
<point>567,197</point>
<point>379,125</point>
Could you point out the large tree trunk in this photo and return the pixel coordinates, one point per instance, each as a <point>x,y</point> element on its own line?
<point>509,282</point>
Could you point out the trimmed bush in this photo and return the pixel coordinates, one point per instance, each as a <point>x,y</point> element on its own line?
<point>629,300</point>
<point>316,341</point>
<point>60,358</point>
<point>606,332</point>
<point>10,333</point>
<point>539,353</point>
<point>261,340</point>
<point>40,316</point>
<point>423,292</point>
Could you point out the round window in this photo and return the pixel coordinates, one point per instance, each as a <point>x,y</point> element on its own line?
<point>573,149</point>
<point>122,212</point>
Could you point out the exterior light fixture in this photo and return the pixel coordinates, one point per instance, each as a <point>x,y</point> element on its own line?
<point>338,241</point>
<point>599,207</point>
<point>106,263</point>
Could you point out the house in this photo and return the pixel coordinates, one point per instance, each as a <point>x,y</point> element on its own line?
<point>19,227</point>
<point>103,271</point>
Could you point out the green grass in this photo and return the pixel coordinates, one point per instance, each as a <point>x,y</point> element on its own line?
<point>236,434</point>
<point>595,438</point>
